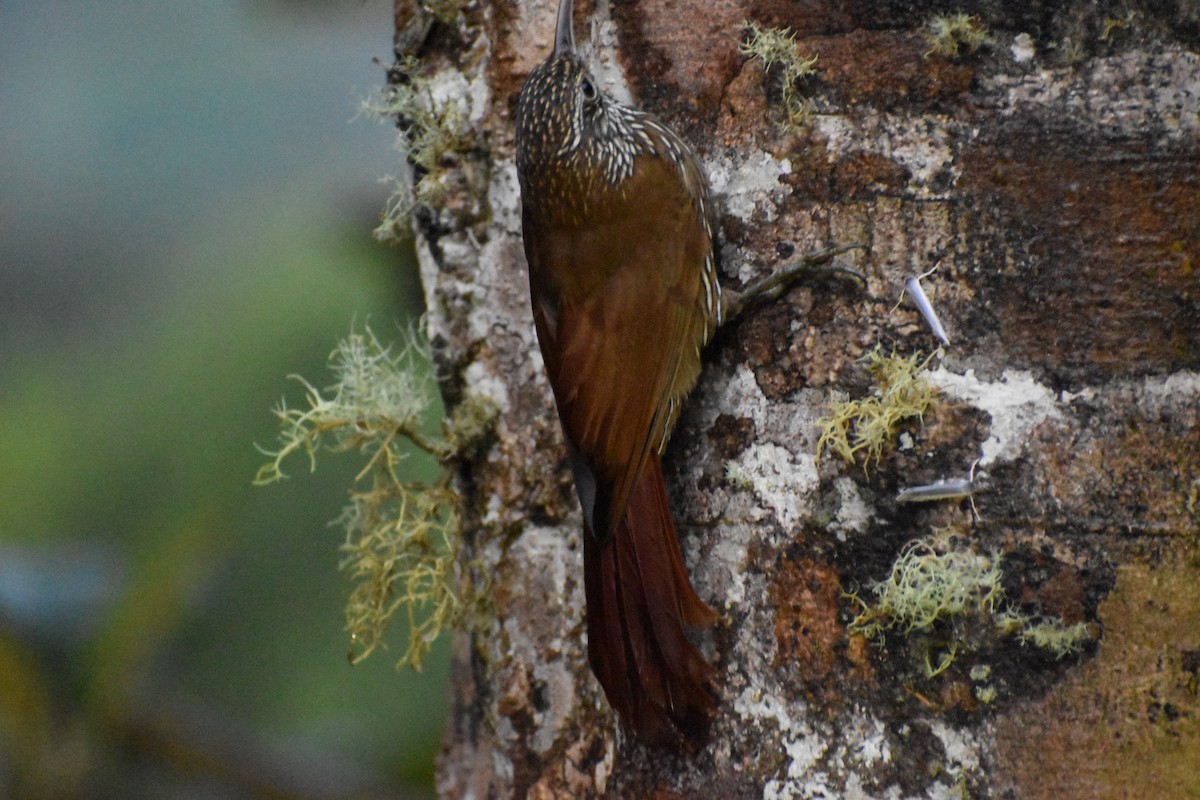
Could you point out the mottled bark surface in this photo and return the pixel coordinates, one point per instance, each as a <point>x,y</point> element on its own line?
<point>1055,175</point>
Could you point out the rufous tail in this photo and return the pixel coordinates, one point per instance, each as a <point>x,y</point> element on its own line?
<point>638,599</point>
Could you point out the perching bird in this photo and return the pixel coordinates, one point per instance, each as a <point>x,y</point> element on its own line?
<point>618,230</point>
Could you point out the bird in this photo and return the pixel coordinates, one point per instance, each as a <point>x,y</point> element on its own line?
<point>618,227</point>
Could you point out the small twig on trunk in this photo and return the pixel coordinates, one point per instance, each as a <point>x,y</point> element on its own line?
<point>774,285</point>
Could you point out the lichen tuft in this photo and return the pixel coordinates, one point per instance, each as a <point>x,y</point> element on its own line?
<point>937,580</point>
<point>869,424</point>
<point>948,34</point>
<point>403,546</point>
<point>432,131</point>
<point>931,582</point>
<point>776,49</point>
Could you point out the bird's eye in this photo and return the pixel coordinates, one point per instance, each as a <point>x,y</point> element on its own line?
<point>589,91</point>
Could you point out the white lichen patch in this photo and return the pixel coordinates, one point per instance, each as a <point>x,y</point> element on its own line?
<point>853,514</point>
<point>854,790</point>
<point>453,95</point>
<point>738,392</point>
<point>815,788</point>
<point>490,300</point>
<point>1163,390</point>
<point>868,738</point>
<point>484,384</point>
<point>479,98</point>
<point>728,558</point>
<point>803,753</point>
<point>560,693</point>
<point>960,745</point>
<point>761,483</point>
<point>756,705</point>
<point>804,746</point>
<point>923,147</point>
<point>491,514</point>
<point>751,186</point>
<point>1125,95</point>
<point>1022,48</point>
<point>820,763</point>
<point>1016,403</point>
<point>547,556</point>
<point>1153,395</point>
<point>782,480</point>
<point>504,196</point>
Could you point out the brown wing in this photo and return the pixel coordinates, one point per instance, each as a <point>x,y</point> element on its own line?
<point>619,310</point>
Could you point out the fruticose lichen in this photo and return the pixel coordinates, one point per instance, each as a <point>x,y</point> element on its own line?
<point>432,129</point>
<point>403,545</point>
<point>948,34</point>
<point>446,12</point>
<point>930,582</point>
<point>1112,24</point>
<point>776,48</point>
<point>938,579</point>
<point>869,424</point>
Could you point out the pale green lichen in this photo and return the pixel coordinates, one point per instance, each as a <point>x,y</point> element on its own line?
<point>446,12</point>
<point>929,583</point>
<point>1072,52</point>
<point>945,659</point>
<point>1047,633</point>
<point>403,547</point>
<point>1193,497</point>
<point>948,34</point>
<point>936,580</point>
<point>984,693</point>
<point>1113,24</point>
<point>776,49</point>
<point>471,421</point>
<point>431,132</point>
<point>869,424</point>
<point>737,476</point>
<point>376,402</point>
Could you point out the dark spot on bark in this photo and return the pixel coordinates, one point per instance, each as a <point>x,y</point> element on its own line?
<point>539,697</point>
<point>731,435</point>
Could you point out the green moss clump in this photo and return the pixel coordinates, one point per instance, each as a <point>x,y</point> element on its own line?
<point>403,545</point>
<point>948,34</point>
<point>776,48</point>
<point>869,424</point>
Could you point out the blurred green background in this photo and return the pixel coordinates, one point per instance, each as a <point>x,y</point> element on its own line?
<point>186,206</point>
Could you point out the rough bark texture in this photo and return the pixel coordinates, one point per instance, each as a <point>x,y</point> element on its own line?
<point>1055,175</point>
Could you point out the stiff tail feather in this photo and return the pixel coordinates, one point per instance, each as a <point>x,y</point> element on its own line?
<point>638,600</point>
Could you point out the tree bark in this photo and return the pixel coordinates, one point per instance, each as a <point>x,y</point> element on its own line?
<point>1054,174</point>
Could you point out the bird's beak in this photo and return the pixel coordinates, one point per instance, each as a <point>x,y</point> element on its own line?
<point>564,34</point>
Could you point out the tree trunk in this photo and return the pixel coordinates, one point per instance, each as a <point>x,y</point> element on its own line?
<point>1054,174</point>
